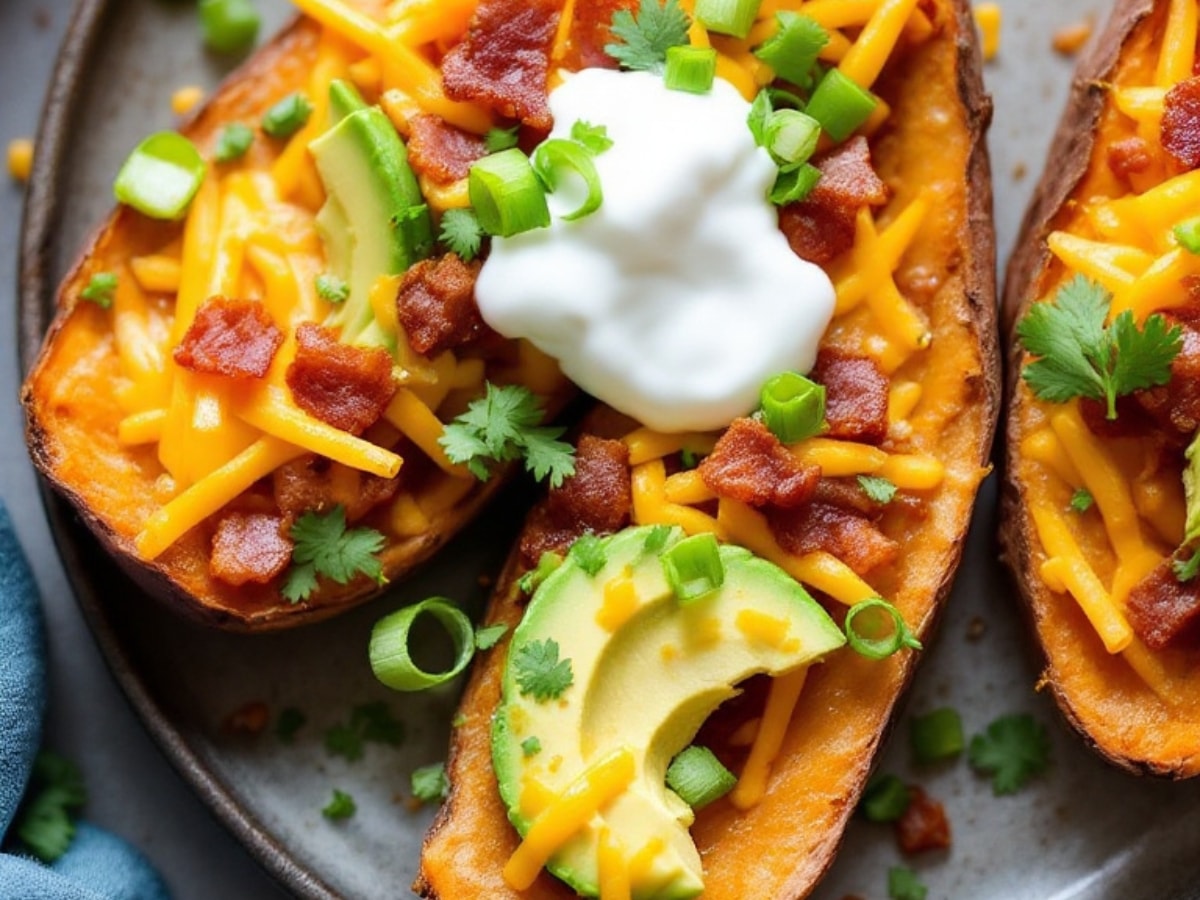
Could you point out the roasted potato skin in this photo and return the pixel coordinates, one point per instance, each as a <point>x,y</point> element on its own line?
<point>1115,715</point>
<point>780,849</point>
<point>112,487</point>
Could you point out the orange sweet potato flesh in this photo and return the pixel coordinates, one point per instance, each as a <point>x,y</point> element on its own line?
<point>1112,708</point>
<point>72,412</point>
<point>781,847</point>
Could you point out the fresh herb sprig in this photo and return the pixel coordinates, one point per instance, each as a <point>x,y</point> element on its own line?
<point>461,233</point>
<point>641,43</point>
<point>1012,750</point>
<point>430,784</point>
<point>540,673</point>
<point>325,546</point>
<point>45,822</point>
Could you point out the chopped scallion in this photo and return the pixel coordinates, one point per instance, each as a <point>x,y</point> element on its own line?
<point>1187,235</point>
<point>885,633</point>
<point>698,777</point>
<point>839,105</point>
<point>733,17</point>
<point>795,185</point>
<point>287,116</point>
<point>556,154</point>
<point>693,567</point>
<point>793,406</point>
<point>100,289</point>
<point>389,650</point>
<point>594,137</point>
<point>332,288</point>
<point>884,799</point>
<point>506,194</point>
<point>233,142</point>
<point>791,136</point>
<point>691,69</point>
<point>161,176</point>
<point>937,736</point>
<point>498,139</point>
<point>793,49</point>
<point>228,26</point>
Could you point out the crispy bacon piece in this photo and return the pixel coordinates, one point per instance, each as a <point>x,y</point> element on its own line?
<point>597,498</point>
<point>751,465</point>
<point>235,338</point>
<point>1181,122</point>
<point>923,825</point>
<point>347,387</point>
<point>821,226</point>
<point>1161,608</point>
<point>844,533</point>
<point>436,304</point>
<point>856,396</point>
<point>441,152</point>
<point>504,61</point>
<point>1131,418</point>
<point>590,31</point>
<point>316,483</point>
<point>1130,156</point>
<point>249,547</point>
<point>1176,405</point>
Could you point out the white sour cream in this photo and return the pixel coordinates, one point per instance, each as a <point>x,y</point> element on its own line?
<point>680,296</point>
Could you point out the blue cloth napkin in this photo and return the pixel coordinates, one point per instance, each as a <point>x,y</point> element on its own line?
<point>98,866</point>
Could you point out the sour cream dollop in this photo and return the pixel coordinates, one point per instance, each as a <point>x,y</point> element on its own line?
<point>680,296</point>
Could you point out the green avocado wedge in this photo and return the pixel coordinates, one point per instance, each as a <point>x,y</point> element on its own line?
<point>645,672</point>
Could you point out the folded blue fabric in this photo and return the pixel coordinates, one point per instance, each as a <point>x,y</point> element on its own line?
<point>98,866</point>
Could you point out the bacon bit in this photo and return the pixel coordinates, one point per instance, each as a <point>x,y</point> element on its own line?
<point>316,483</point>
<point>1070,39</point>
<point>1161,608</point>
<point>436,304</point>
<point>1176,405</point>
<point>923,825</point>
<point>249,547</point>
<point>250,719</point>
<point>591,29</point>
<point>235,338</point>
<point>597,498</point>
<point>850,537</point>
<point>1131,418</point>
<point>821,227</point>
<point>751,465</point>
<point>441,152</point>
<point>1130,156</point>
<point>856,396</point>
<point>1181,122</point>
<point>346,387</point>
<point>504,61</point>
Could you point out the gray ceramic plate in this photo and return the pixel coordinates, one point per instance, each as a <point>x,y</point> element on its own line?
<point>1084,830</point>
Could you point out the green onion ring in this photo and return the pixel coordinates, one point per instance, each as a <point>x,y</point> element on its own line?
<point>879,648</point>
<point>390,659</point>
<point>552,154</point>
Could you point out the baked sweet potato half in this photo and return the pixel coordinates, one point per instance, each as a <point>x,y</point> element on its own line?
<point>875,503</point>
<point>1098,505</point>
<point>286,353</point>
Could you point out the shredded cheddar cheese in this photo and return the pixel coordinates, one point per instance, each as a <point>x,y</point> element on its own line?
<point>781,702</point>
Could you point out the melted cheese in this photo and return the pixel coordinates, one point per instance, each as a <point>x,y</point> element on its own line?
<point>781,703</point>
<point>866,59</point>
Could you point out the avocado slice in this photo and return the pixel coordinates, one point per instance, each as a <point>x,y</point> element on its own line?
<point>374,221</point>
<point>647,671</point>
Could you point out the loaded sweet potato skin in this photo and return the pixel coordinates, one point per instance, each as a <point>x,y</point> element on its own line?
<point>72,412</point>
<point>782,846</point>
<point>1102,697</point>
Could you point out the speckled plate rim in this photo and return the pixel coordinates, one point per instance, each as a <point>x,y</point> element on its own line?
<point>36,290</point>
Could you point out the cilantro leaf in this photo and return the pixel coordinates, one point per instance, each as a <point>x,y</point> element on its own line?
<point>504,425</point>
<point>531,746</point>
<point>45,822</point>
<point>540,672</point>
<point>594,138</point>
<point>1012,750</point>
<point>879,490</point>
<point>1186,569</point>
<point>342,806</point>
<point>644,41</point>
<point>324,546</point>
<point>332,288</point>
<point>290,721</point>
<point>461,233</point>
<point>487,638</point>
<point>344,740</point>
<point>1082,500</point>
<point>498,139</point>
<point>1080,356</point>
<point>903,884</point>
<point>588,552</point>
<point>547,563</point>
<point>429,783</point>
<point>100,289</point>
<point>369,723</point>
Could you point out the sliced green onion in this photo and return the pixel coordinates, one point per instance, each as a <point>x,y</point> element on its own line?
<point>756,119</point>
<point>839,105</point>
<point>332,288</point>
<point>1187,235</point>
<point>698,777</point>
<point>693,567</point>
<point>390,659</point>
<point>498,139</point>
<point>886,633</point>
<point>794,185</point>
<point>161,176</point>
<point>884,799</point>
<point>791,136</point>
<point>937,736</point>
<point>100,289</point>
<point>691,69</point>
<point>793,406</point>
<point>228,26</point>
<point>792,50</point>
<point>735,17</point>
<point>594,137</point>
<point>507,196</point>
<point>547,563</point>
<point>287,116</point>
<point>557,153</point>
<point>233,142</point>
